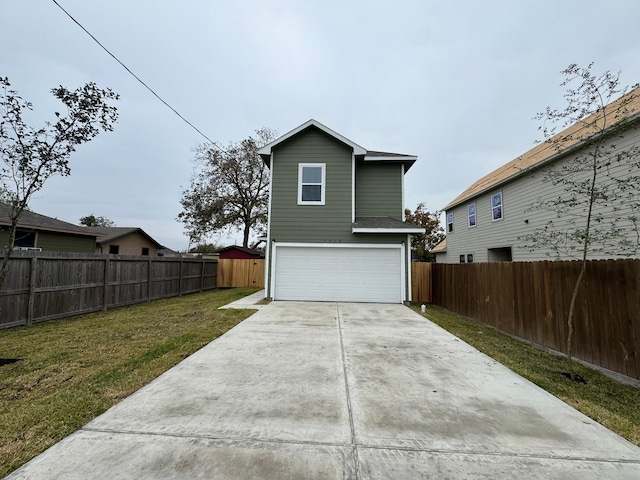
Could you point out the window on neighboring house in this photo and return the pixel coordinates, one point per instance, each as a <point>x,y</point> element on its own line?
<point>471,209</point>
<point>469,257</point>
<point>462,258</point>
<point>114,249</point>
<point>311,183</point>
<point>450,222</point>
<point>145,251</point>
<point>496,206</point>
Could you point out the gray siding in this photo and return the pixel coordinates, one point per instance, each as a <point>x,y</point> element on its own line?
<point>331,222</point>
<point>518,196</point>
<point>379,190</point>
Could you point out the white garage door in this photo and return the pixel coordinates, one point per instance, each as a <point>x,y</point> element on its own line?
<point>338,274</point>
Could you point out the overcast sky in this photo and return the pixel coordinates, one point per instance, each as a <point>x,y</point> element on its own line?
<point>455,83</point>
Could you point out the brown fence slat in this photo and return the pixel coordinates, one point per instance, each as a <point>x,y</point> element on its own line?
<point>531,300</point>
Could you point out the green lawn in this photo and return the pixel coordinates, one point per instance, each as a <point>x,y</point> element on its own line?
<point>614,405</point>
<point>74,369</point>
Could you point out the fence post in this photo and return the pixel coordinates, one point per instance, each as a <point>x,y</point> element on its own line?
<point>106,284</point>
<point>180,277</point>
<point>32,290</point>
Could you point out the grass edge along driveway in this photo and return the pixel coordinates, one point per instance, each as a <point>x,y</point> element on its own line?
<point>74,369</point>
<point>608,402</point>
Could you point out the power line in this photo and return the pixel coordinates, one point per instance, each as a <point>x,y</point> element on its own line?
<point>138,78</point>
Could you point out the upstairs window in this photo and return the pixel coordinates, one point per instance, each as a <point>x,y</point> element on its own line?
<point>450,222</point>
<point>114,249</point>
<point>496,207</point>
<point>311,183</point>
<point>471,209</point>
<point>145,251</point>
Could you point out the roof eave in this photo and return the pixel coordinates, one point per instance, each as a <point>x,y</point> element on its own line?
<point>265,152</point>
<point>552,158</point>
<point>408,231</point>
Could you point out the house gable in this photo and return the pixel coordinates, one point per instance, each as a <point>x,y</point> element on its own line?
<point>331,222</point>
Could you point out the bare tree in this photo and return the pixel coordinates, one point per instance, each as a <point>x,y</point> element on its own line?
<point>598,207</point>
<point>229,189</point>
<point>30,156</point>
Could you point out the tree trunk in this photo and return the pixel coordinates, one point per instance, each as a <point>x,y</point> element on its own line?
<point>247,231</point>
<point>583,268</point>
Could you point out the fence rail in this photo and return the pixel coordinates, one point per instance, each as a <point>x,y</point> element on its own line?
<point>41,286</point>
<point>531,300</point>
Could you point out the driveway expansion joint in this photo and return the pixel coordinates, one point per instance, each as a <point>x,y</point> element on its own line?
<point>354,443</point>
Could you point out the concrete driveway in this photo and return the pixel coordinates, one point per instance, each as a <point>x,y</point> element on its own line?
<point>339,391</point>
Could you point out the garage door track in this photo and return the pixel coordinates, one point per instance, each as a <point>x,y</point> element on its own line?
<point>339,391</point>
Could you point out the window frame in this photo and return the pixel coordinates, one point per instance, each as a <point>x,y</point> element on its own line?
<point>463,258</point>
<point>323,184</point>
<point>474,215</point>
<point>449,223</point>
<point>495,207</point>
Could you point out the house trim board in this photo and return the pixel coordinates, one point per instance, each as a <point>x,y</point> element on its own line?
<point>268,249</point>
<point>417,231</point>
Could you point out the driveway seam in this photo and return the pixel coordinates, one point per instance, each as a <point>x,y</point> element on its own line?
<point>215,437</point>
<point>348,394</point>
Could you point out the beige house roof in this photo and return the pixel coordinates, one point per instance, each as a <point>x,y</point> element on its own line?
<point>441,247</point>
<point>618,111</point>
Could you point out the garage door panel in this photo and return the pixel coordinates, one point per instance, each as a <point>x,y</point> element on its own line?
<point>338,274</point>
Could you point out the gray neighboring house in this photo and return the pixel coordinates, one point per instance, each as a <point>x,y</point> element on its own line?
<point>336,229</point>
<point>484,222</point>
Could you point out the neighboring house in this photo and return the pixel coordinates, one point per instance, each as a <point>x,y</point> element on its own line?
<point>485,223</point>
<point>44,233</point>
<point>336,211</point>
<point>235,252</point>
<point>125,241</point>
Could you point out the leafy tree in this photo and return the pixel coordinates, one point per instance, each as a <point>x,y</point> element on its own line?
<point>30,156</point>
<point>93,221</point>
<point>204,248</point>
<point>229,190</point>
<point>434,234</point>
<point>598,208</point>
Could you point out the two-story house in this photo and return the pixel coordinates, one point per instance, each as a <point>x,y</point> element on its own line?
<point>490,220</point>
<point>336,229</point>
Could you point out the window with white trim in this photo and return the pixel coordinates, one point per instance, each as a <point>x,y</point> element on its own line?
<point>496,207</point>
<point>471,210</point>
<point>311,183</point>
<point>450,222</point>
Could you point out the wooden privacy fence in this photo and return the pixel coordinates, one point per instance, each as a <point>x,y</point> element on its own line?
<point>241,273</point>
<point>531,301</point>
<point>421,282</point>
<point>42,287</point>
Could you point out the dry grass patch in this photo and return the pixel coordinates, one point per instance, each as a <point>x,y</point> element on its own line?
<point>74,369</point>
<point>610,403</point>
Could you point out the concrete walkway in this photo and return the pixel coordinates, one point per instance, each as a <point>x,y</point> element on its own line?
<point>339,391</point>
